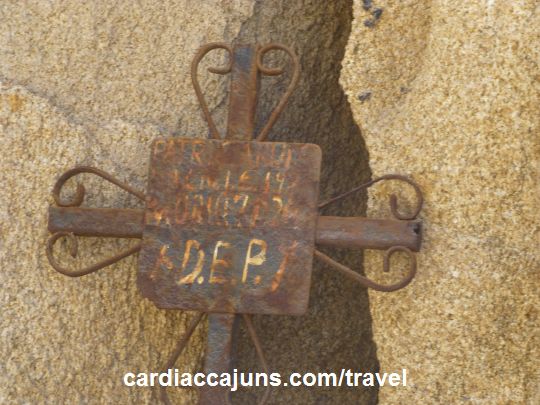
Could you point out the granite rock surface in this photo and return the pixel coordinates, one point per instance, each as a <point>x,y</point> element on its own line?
<point>448,93</point>
<point>444,92</point>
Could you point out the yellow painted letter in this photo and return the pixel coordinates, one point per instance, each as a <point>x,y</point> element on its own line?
<point>256,260</point>
<point>219,262</point>
<point>190,278</point>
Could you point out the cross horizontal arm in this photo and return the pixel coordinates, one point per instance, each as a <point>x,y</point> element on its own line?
<point>368,233</point>
<point>109,222</point>
<point>353,232</point>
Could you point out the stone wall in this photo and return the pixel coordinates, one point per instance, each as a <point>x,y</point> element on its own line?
<point>448,93</point>
<point>445,93</point>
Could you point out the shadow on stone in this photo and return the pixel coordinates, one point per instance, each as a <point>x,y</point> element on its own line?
<point>336,332</point>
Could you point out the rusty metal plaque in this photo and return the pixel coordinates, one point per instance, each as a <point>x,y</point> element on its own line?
<point>230,225</point>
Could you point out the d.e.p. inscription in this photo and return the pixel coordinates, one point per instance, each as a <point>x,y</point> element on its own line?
<point>230,225</point>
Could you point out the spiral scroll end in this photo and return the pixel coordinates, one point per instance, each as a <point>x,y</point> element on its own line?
<point>75,201</point>
<point>73,250</point>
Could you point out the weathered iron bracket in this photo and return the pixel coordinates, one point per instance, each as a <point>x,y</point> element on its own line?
<point>230,226</point>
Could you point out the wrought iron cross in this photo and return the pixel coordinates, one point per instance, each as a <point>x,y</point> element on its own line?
<point>230,225</point>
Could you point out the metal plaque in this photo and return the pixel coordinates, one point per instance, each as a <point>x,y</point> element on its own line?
<point>230,225</point>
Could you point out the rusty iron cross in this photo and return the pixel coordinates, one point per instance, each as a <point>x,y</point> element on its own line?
<point>230,225</point>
